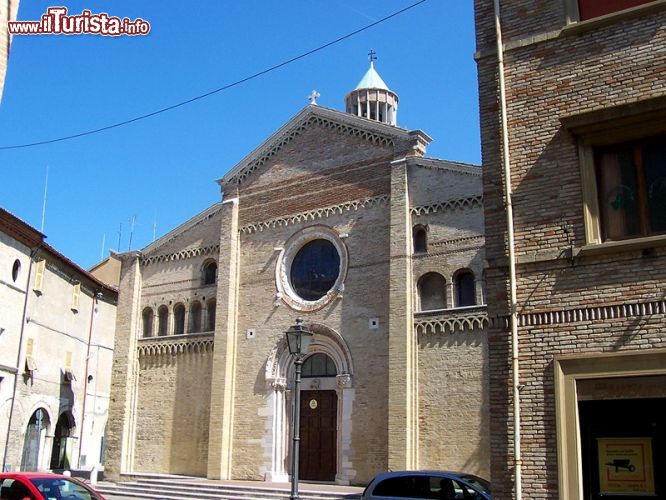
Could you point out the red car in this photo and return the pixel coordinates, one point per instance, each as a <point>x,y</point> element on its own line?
<point>44,486</point>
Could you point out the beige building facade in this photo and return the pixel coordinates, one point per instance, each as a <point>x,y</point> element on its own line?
<point>56,348</point>
<point>341,219</point>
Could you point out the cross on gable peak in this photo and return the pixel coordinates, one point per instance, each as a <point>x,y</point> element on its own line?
<point>314,95</point>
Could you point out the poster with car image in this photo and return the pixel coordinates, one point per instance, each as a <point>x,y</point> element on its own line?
<point>625,466</point>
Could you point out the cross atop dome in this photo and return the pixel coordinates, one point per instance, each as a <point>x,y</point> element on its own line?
<point>372,98</point>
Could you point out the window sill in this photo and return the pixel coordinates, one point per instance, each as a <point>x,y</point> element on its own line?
<point>578,27</point>
<point>623,245</point>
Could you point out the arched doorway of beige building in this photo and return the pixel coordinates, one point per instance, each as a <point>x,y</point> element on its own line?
<point>334,394</point>
<point>34,441</point>
<point>63,441</point>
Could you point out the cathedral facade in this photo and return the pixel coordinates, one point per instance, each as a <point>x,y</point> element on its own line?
<point>339,218</point>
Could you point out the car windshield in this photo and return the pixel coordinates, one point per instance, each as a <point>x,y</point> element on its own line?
<point>477,482</point>
<point>58,488</point>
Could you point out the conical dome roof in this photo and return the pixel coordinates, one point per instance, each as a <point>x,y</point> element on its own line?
<point>372,99</point>
<point>371,80</point>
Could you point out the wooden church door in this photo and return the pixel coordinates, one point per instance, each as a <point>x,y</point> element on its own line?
<point>318,449</point>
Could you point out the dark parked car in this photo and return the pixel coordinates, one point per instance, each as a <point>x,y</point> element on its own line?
<point>44,486</point>
<point>433,484</point>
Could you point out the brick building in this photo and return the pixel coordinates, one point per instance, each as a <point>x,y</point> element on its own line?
<point>585,96</point>
<point>338,217</point>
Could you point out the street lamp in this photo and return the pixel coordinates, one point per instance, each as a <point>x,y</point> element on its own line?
<point>298,341</point>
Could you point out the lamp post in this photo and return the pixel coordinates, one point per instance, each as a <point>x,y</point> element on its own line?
<point>298,341</point>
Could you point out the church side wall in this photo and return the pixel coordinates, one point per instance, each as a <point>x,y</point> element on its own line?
<point>453,402</point>
<point>174,378</point>
<point>173,413</point>
<point>453,405</point>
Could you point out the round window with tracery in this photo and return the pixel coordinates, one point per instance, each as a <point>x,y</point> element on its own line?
<point>311,268</point>
<point>315,269</point>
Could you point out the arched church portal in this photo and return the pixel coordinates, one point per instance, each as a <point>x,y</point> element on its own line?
<point>326,407</point>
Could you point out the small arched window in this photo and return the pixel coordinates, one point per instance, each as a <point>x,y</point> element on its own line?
<point>432,292</point>
<point>147,317</point>
<point>419,233</point>
<point>465,289</point>
<point>179,319</point>
<point>210,316</point>
<point>319,365</point>
<point>210,273</point>
<point>16,268</point>
<point>195,317</point>
<point>163,321</point>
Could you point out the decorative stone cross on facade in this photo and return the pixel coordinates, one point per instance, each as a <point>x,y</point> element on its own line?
<point>372,55</point>
<point>313,97</point>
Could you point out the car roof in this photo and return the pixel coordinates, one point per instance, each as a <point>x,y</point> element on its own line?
<point>427,471</point>
<point>31,475</point>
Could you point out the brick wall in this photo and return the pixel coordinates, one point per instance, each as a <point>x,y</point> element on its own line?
<point>593,68</point>
<point>453,404</point>
<point>173,413</point>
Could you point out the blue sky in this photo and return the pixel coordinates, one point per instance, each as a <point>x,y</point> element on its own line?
<point>163,170</point>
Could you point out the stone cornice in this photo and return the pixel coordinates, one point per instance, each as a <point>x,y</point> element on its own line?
<point>177,344</point>
<point>345,123</point>
<point>188,253</point>
<point>318,213</point>
<point>457,241</point>
<point>443,206</point>
<point>451,166</point>
<point>585,314</point>
<point>449,321</point>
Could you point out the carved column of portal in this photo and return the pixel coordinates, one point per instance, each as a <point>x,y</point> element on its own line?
<point>345,393</point>
<point>277,403</point>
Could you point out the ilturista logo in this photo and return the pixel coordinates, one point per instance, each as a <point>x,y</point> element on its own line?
<point>58,21</point>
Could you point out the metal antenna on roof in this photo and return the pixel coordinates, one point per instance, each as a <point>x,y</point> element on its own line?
<point>46,185</point>
<point>120,235</point>
<point>129,245</point>
<point>101,256</point>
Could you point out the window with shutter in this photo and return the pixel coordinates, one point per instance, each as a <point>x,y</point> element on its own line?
<point>39,276</point>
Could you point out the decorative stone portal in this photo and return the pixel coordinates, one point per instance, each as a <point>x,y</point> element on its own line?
<point>279,390</point>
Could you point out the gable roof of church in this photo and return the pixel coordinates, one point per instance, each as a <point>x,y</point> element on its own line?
<point>184,227</point>
<point>312,114</point>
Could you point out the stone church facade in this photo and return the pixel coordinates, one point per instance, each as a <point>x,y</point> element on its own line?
<point>341,219</point>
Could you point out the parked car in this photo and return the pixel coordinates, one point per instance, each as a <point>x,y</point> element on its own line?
<point>44,486</point>
<point>439,485</point>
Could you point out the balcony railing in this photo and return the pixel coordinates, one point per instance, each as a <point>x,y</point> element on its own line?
<point>457,320</point>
